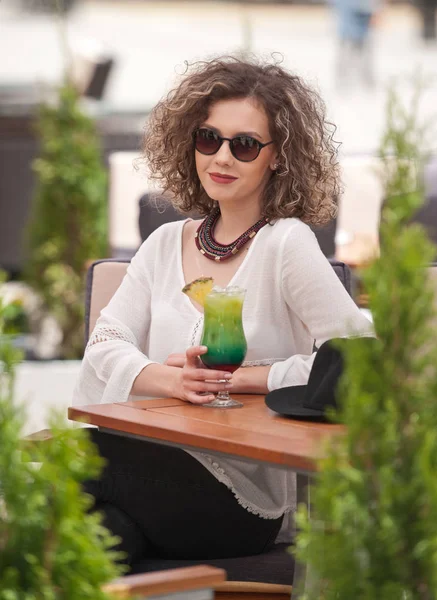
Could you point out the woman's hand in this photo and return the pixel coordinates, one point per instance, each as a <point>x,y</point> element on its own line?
<point>176,360</point>
<point>195,381</point>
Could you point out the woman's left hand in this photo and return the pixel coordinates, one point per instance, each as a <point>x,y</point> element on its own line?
<point>251,380</point>
<point>176,360</point>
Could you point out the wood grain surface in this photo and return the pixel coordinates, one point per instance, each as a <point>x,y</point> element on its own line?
<point>253,432</point>
<point>166,582</point>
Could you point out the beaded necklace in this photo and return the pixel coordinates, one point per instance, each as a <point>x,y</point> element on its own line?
<point>211,248</point>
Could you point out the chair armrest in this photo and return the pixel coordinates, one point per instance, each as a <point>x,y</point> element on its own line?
<point>35,439</point>
<point>39,436</point>
<point>254,587</point>
<point>166,582</point>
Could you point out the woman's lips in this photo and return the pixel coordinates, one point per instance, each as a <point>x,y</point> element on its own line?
<point>218,178</point>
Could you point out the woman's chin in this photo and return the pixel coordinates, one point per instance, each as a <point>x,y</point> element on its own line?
<point>221,195</point>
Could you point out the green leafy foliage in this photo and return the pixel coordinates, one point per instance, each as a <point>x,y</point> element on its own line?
<point>68,224</point>
<point>9,356</point>
<point>373,532</point>
<point>51,548</point>
<point>15,318</point>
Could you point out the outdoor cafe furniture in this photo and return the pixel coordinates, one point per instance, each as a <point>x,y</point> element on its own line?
<point>196,583</point>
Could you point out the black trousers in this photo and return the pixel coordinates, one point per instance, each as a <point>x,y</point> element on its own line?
<point>163,503</point>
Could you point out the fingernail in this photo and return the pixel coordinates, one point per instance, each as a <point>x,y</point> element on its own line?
<point>203,348</point>
<point>228,376</point>
<point>228,385</point>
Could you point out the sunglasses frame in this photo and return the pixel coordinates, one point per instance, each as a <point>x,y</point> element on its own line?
<point>221,139</point>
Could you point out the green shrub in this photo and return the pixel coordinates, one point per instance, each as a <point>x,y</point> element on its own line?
<point>9,356</point>
<point>68,223</point>
<point>50,547</point>
<point>373,532</point>
<point>15,318</point>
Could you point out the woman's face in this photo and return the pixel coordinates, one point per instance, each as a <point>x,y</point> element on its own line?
<point>245,181</point>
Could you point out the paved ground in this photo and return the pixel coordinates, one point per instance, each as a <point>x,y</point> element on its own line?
<point>151,41</point>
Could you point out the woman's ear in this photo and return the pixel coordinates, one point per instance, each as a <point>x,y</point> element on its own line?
<point>274,163</point>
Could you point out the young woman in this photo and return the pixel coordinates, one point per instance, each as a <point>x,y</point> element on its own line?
<point>247,146</point>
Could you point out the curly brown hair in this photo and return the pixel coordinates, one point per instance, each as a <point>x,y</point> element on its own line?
<point>306,183</point>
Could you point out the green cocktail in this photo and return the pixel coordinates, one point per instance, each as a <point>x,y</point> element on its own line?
<point>223,334</point>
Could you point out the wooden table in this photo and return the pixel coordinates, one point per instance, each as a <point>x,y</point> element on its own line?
<point>253,433</point>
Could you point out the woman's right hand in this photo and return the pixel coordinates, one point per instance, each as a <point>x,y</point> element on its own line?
<point>195,381</point>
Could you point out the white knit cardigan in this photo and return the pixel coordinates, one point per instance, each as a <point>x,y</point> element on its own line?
<point>293,299</point>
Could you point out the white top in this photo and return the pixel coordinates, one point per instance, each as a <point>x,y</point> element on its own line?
<point>293,299</point>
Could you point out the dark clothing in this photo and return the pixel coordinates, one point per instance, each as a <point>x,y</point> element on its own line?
<point>164,504</point>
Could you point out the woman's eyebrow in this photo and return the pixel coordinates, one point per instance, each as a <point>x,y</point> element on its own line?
<point>212,127</point>
<point>251,133</point>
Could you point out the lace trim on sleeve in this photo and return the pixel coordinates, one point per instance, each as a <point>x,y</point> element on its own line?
<point>263,362</point>
<point>110,334</point>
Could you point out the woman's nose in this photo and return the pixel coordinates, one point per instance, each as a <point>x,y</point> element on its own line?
<point>224,154</point>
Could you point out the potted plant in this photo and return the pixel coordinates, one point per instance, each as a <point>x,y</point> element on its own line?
<point>373,532</point>
<point>51,548</point>
<point>68,223</point>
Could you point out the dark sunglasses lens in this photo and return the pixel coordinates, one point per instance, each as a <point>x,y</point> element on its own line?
<point>245,148</point>
<point>207,141</point>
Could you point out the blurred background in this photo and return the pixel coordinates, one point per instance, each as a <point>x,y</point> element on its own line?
<point>126,54</point>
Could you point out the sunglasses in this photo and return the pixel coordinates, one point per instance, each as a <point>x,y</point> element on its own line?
<point>243,147</point>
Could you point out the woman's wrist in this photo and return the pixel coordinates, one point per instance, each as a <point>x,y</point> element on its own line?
<point>157,380</point>
<point>250,380</point>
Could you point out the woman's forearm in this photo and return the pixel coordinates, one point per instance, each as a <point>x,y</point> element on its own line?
<point>161,381</point>
<point>156,380</point>
<point>250,380</point>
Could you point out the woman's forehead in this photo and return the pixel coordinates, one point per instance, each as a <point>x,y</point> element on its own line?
<point>240,114</point>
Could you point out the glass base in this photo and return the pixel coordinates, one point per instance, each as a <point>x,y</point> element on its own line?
<point>231,403</point>
<point>223,400</point>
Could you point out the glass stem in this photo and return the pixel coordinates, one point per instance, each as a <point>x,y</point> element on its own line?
<point>223,395</point>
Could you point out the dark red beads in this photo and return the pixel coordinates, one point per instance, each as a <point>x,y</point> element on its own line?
<point>208,245</point>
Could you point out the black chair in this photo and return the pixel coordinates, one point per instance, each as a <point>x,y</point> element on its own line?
<point>326,237</point>
<point>153,211</point>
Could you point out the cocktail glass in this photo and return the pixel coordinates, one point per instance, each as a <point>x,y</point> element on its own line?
<point>224,337</point>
